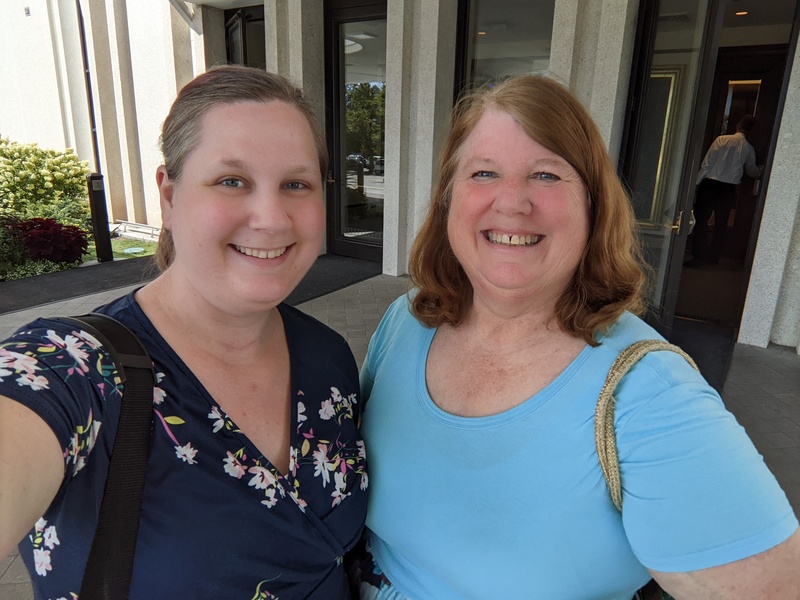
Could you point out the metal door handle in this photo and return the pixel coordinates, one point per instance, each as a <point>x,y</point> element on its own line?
<point>676,226</point>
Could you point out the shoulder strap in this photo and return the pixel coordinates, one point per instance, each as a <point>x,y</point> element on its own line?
<point>604,435</point>
<point>110,564</point>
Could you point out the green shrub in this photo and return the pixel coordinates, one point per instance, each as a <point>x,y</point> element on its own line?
<point>50,184</point>
<point>12,248</point>
<point>35,267</point>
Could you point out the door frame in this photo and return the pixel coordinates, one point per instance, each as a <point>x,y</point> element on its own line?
<point>662,319</point>
<point>338,12</point>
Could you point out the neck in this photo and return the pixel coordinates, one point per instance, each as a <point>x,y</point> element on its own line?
<point>183,316</point>
<point>525,323</point>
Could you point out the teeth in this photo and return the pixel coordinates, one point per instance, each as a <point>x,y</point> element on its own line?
<point>261,253</point>
<point>512,240</point>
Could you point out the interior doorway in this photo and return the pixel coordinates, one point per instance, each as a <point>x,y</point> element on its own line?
<point>747,81</point>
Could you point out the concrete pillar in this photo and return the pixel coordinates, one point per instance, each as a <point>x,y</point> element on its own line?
<point>419,99</point>
<point>294,31</point>
<point>132,164</point>
<point>593,62</point>
<point>182,54</point>
<point>105,103</point>
<point>772,306</point>
<point>210,39</point>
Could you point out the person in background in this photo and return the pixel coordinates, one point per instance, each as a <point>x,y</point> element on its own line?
<point>256,480</point>
<point>720,173</point>
<point>480,389</point>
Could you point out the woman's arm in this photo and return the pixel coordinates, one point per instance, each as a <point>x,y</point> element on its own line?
<point>31,471</point>
<point>774,573</point>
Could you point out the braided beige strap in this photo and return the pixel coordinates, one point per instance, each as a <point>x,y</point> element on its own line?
<point>604,436</point>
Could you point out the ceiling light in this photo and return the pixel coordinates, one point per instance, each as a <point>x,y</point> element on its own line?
<point>742,13</point>
<point>362,35</point>
<point>350,46</point>
<point>481,33</point>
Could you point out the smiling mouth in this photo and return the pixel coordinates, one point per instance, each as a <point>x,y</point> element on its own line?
<point>256,253</point>
<point>506,239</point>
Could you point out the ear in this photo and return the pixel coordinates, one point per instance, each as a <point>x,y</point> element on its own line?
<point>166,189</point>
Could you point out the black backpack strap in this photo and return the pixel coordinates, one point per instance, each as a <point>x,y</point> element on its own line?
<point>110,564</point>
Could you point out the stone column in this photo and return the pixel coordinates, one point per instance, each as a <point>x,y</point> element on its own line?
<point>591,52</point>
<point>419,99</point>
<point>772,306</point>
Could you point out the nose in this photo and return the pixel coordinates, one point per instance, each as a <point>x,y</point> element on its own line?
<point>514,196</point>
<point>269,211</point>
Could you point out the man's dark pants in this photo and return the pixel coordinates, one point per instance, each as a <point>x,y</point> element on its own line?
<point>715,197</point>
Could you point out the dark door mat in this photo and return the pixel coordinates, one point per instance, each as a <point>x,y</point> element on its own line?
<point>710,345</point>
<point>53,287</point>
<point>328,274</point>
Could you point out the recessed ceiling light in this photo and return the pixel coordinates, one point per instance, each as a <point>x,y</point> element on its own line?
<point>481,33</point>
<point>742,13</point>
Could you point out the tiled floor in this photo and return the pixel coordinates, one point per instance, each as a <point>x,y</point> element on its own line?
<point>762,388</point>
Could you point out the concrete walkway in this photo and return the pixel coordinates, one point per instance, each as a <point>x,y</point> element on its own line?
<point>762,388</point>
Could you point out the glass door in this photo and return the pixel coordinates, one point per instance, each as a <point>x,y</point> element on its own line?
<point>667,105</point>
<point>356,44</point>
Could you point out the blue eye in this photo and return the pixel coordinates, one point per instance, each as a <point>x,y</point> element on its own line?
<point>544,176</point>
<point>482,174</point>
<point>231,182</point>
<point>295,185</point>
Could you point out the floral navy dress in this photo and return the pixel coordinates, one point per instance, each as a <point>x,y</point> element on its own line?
<point>218,520</point>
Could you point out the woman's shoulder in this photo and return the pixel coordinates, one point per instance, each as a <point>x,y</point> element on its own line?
<point>657,371</point>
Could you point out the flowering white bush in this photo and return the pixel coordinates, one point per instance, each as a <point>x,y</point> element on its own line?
<point>37,182</point>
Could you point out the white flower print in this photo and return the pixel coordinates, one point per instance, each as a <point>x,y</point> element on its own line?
<point>364,481</point>
<point>36,383</point>
<point>362,451</point>
<point>301,409</point>
<point>51,537</point>
<point>187,453</point>
<point>338,494</point>
<point>233,466</point>
<point>270,500</point>
<point>42,560</point>
<point>322,466</point>
<point>88,338</point>
<point>218,418</point>
<point>159,395</point>
<point>262,478</point>
<point>327,412</point>
<point>93,434</point>
<point>74,347</point>
<point>40,524</point>
<point>293,461</point>
<point>18,362</point>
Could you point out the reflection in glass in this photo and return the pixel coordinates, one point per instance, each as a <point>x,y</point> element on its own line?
<point>364,94</point>
<point>510,37</point>
<point>657,166</point>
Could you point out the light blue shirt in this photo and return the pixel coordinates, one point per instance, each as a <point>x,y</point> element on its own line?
<point>514,505</point>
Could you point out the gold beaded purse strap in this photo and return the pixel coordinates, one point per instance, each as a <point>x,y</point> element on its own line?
<point>604,436</point>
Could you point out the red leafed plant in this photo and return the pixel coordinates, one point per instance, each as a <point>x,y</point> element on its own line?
<point>48,239</point>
